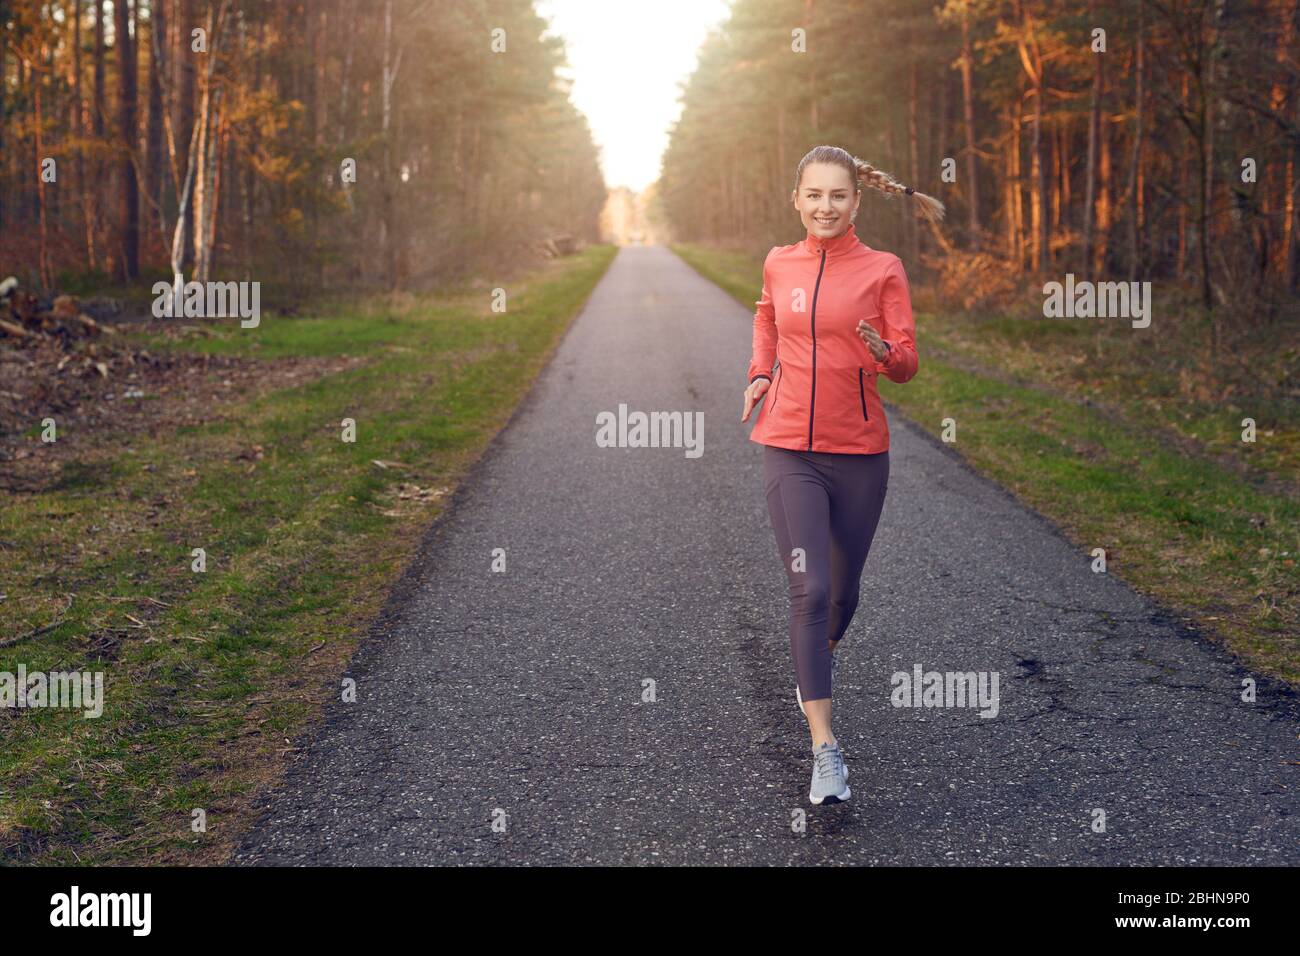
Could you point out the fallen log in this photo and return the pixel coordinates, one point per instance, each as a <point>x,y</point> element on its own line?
<point>15,331</point>
<point>88,324</point>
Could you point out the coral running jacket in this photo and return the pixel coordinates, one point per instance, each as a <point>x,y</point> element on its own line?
<point>824,394</point>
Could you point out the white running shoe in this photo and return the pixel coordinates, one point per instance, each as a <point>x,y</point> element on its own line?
<point>829,780</point>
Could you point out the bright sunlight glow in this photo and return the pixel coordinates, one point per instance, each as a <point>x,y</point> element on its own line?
<point>626,60</point>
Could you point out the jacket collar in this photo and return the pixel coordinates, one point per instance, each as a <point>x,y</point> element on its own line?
<point>834,245</point>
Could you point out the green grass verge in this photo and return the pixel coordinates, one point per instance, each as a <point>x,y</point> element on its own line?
<point>1209,528</point>
<point>209,676</point>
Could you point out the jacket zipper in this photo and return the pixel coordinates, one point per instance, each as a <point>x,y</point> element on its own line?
<point>776,392</point>
<point>812,402</point>
<point>862,393</point>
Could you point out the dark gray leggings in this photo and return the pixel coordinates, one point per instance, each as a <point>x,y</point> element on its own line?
<point>828,504</point>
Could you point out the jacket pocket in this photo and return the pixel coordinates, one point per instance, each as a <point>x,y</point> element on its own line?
<point>776,391</point>
<point>862,394</point>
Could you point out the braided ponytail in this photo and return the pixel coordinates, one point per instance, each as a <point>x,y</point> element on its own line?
<point>931,208</point>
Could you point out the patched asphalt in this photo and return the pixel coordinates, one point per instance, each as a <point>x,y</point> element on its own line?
<point>518,695</point>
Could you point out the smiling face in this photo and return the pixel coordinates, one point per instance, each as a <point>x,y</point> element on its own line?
<point>826,199</point>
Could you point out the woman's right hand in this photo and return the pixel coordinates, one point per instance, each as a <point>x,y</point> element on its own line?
<point>753,393</point>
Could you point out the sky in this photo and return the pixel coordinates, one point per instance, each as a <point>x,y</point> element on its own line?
<point>626,60</point>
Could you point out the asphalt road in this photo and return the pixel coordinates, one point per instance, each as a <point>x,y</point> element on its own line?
<point>516,696</point>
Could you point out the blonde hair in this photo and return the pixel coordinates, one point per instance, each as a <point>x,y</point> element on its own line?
<point>864,174</point>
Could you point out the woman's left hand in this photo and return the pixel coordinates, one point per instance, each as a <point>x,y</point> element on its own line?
<point>874,342</point>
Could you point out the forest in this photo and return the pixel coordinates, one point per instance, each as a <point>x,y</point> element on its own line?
<point>307,144</point>
<point>1129,139</point>
<point>387,143</point>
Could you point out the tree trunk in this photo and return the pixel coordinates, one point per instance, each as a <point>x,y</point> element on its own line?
<point>320,30</point>
<point>968,111</point>
<point>1090,173</point>
<point>1036,212</point>
<point>157,64</point>
<point>1057,161</point>
<point>1105,181</point>
<point>780,145</point>
<point>79,130</point>
<point>1135,163</point>
<point>939,135</point>
<point>1014,201</point>
<point>20,68</point>
<point>98,120</point>
<point>386,239</point>
<point>185,62</point>
<point>1206,190</point>
<point>43,253</point>
<point>914,174</point>
<point>813,125</point>
<point>1180,267</point>
<point>1282,95</point>
<point>352,27</point>
<point>4,162</point>
<point>250,175</point>
<point>1293,216</point>
<point>205,224</point>
<point>50,81</point>
<point>129,217</point>
<point>199,156</point>
<point>1032,62</point>
<point>1067,193</point>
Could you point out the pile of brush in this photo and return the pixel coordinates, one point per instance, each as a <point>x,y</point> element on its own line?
<point>25,317</point>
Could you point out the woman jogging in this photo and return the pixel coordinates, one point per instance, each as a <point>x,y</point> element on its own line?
<point>835,313</point>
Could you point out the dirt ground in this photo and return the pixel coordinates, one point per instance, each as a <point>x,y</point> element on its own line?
<point>101,392</point>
